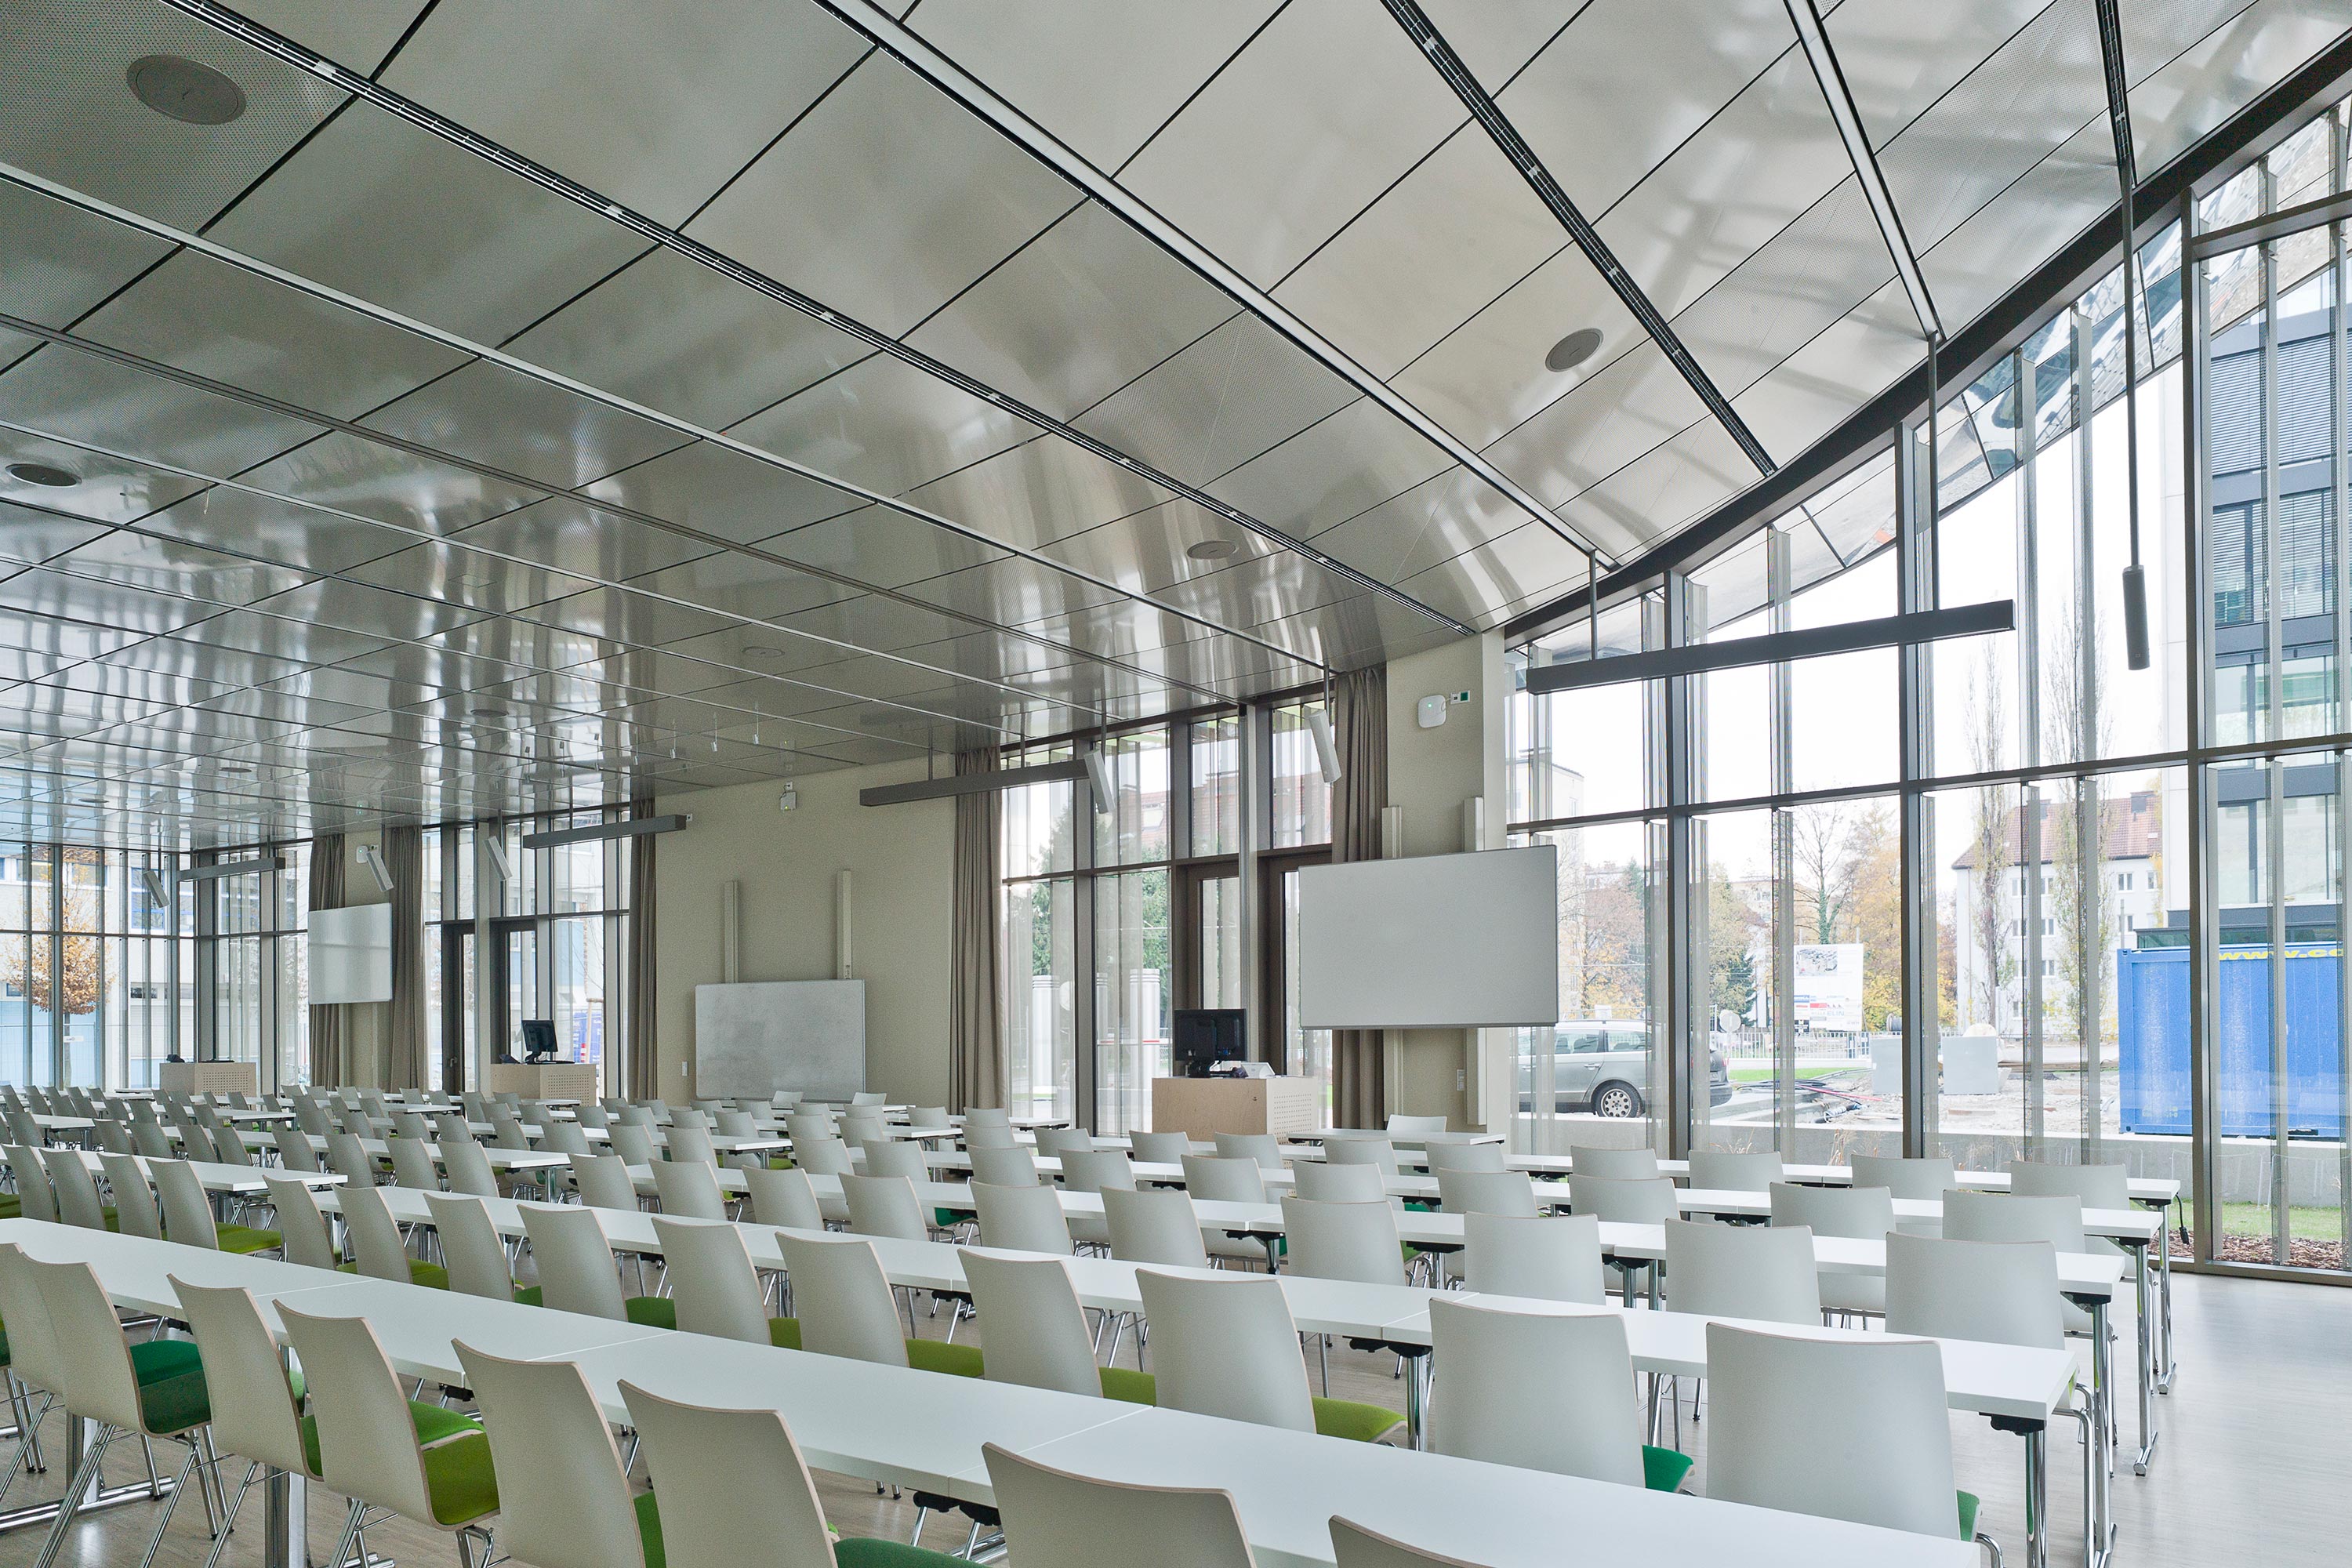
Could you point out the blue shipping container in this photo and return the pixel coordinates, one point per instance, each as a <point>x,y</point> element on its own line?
<point>2152,1008</point>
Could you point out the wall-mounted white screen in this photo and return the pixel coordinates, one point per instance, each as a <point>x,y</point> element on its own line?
<point>351,954</point>
<point>754,1038</point>
<point>1436,942</point>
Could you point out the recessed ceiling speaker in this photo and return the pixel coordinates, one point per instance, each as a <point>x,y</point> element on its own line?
<point>46,475</point>
<point>1211,549</point>
<point>183,90</point>
<point>760,650</point>
<point>1574,349</point>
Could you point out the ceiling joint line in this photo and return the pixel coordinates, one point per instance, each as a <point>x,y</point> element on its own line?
<point>571,190</point>
<point>1548,189</point>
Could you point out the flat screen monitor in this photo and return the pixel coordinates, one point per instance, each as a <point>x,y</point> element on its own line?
<point>538,1039</point>
<point>1206,1036</point>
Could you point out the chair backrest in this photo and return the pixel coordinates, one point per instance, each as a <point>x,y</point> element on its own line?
<point>575,1262</point>
<point>412,1165</point>
<point>856,1126</point>
<point>884,1205</point>
<point>732,1484</point>
<point>1465,1157</point>
<point>1022,1219</point>
<point>301,1226</point>
<point>1037,1332</point>
<point>1764,1272</point>
<point>1318,1180</point>
<point>928,1116</point>
<point>594,1116</point>
<point>2002,1292</point>
<point>633,1143</point>
<point>475,1106</point>
<point>1213,1178</point>
<point>471,1249</point>
<point>23,1128</point>
<point>890,1157</point>
<point>1544,1391</point>
<point>869,1096</point>
<point>450,1125</point>
<point>1226,1346</point>
<point>1159,1148</point>
<point>311,1118</point>
<point>34,1197</point>
<point>804,1124</point>
<point>1617,1164</point>
<point>377,1106</point>
<point>149,1140</point>
<point>634,1115</point>
<point>506,1133</point>
<point>1919,1180</point>
<point>1259,1146</point>
<point>712,1281</point>
<point>688,1189</point>
<point>32,1349</point>
<point>1156,1225</point>
<point>1853,1428</point>
<point>1414,1126</point>
<point>1011,1166</point>
<point>1487,1192</point>
<point>2054,1217</point>
<point>843,1299</point>
<point>1052,1142</point>
<point>2098,1188</point>
<point>75,1189</point>
<point>822,1156</point>
<point>1366,1149</point>
<point>604,1180</point>
<point>566,1138</point>
<point>101,1383</point>
<point>134,1201</point>
<point>373,1235</point>
<point>1867,1214</point>
<point>979,1135</point>
<point>411,1124</point>
<point>253,1406</point>
<point>1343,1241</point>
<point>1053,1518</point>
<point>1550,1259</point>
<point>228,1147</point>
<point>1096,1170</point>
<point>738,1125</point>
<point>579,1513</point>
<point>1625,1200</point>
<point>1353,1546</point>
<point>347,1158</point>
<point>783,1198</point>
<point>367,1439</point>
<point>468,1165</point>
<point>1726,1170</point>
<point>294,1150</point>
<point>692,1145</point>
<point>184,1209</point>
<point>986,1116</point>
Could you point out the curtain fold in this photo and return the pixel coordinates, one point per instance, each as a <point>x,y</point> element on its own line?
<point>404,1045</point>
<point>329,1064</point>
<point>1360,725</point>
<point>976,976</point>
<point>643,1048</point>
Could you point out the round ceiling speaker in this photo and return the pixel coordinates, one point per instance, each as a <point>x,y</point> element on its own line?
<point>1574,349</point>
<point>1211,549</point>
<point>44,474</point>
<point>185,91</point>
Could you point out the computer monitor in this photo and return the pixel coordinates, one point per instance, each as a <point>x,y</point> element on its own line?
<point>1207,1036</point>
<point>538,1039</point>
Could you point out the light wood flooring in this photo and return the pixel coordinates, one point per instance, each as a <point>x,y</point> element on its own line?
<point>2252,1469</point>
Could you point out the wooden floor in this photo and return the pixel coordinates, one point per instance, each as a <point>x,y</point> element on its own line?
<point>2252,1468</point>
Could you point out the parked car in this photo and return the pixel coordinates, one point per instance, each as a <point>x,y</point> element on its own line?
<point>1601,1066</point>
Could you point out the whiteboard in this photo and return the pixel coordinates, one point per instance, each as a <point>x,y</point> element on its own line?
<point>1437,941</point>
<point>351,954</point>
<point>754,1039</point>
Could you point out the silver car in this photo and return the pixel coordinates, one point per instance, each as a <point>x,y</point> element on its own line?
<point>1601,1066</point>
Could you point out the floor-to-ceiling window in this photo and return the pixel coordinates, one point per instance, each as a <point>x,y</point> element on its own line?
<point>251,953</point>
<point>96,972</point>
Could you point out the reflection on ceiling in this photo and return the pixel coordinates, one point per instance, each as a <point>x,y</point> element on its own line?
<point>423,411</point>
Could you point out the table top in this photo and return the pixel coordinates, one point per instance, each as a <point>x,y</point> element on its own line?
<point>2144,1189</point>
<point>218,1176</point>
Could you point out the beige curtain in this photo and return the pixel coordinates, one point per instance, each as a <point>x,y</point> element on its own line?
<point>975,968</point>
<point>404,1047</point>
<point>643,1043</point>
<point>1360,723</point>
<point>328,1065</point>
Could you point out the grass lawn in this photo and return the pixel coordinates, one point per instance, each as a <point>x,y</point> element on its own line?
<point>2302,1224</point>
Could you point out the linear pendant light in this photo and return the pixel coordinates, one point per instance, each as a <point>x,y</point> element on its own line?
<point>1924,625</point>
<point>633,827</point>
<point>953,785</point>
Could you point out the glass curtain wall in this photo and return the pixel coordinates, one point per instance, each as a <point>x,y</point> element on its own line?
<point>97,976</point>
<point>252,953</point>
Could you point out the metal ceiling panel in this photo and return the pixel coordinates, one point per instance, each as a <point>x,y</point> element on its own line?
<point>625,617</point>
<point>2193,65</point>
<point>373,611</point>
<point>490,415</point>
<point>1223,400</point>
<point>122,679</point>
<point>1435,520</point>
<point>1299,132</point>
<point>885,201</point>
<point>208,661</point>
<point>31,646</point>
<point>1043,489</point>
<point>1008,592</point>
<point>73,118</point>
<point>1624,411</point>
<point>1346,463</point>
<point>882,547</point>
<point>1147,551</point>
<point>1843,366</point>
<point>61,261</point>
<point>1899,58</point>
<point>654,669</point>
<point>76,397</point>
<point>229,325</point>
<point>668,332</point>
<point>2060,197</point>
<point>1659,492</point>
<point>28,538</point>
<point>723,494</point>
<point>1102,78</point>
<point>391,213</point>
<point>1074,315</point>
<point>239,521</point>
<point>166,565</point>
<point>744,586</point>
<point>884,424</point>
<point>359,474</point>
<point>468,577</point>
<point>1481,586</point>
<point>653,106</point>
<point>561,533</point>
<point>356,33</point>
<point>1497,38</point>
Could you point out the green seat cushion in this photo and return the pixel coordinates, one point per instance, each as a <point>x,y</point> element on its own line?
<point>1354,1419</point>
<point>784,1333</point>
<point>938,1355</point>
<point>419,1273</point>
<point>528,1295</point>
<point>1126,1384</point>
<point>11,1206</point>
<point>1967,1501</point>
<point>171,1375</point>
<point>867,1552</point>
<point>649,1535</point>
<point>457,1475</point>
<point>1663,1470</point>
<point>246,1238</point>
<point>650,1311</point>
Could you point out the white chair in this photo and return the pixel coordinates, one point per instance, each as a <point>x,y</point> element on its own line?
<point>35,1196</point>
<point>1226,1345</point>
<point>783,1198</point>
<point>1487,1192</point>
<point>567,1139</point>
<point>1156,1225</point>
<point>1259,1146</point>
<point>1465,1157</point>
<point>1362,1149</point>
<point>75,1189</point>
<point>2002,1292</point>
<point>2056,1218</point>
<point>892,1157</point>
<point>602,1181</point>
<point>1414,1126</point>
<point>1318,1180</point>
<point>1053,1518</point>
<point>1011,1166</point>
<point>1354,1241</point>
<point>1052,1142</point>
<point>295,1151</point>
<point>471,1249</point>
<point>301,1226</point>
<point>1353,1546</point>
<point>979,1135</point>
<point>134,1201</point>
<point>1036,1330</point>
<point>1625,1200</point>
<point>1159,1148</point>
<point>633,1143</point>
<point>1548,1259</point>
<point>884,1205</point>
<point>736,1124</point>
<point>2096,1187</point>
<point>411,1166</point>
<point>376,1243</point>
<point>717,1288</point>
<point>1761,1272</point>
<point>1854,1429</point>
<point>1617,1164</point>
<point>986,1116</point>
<point>576,1271</point>
<point>820,1156</point>
<point>255,1413</point>
<point>467,1166</point>
<point>1543,1391</point>
<point>688,1189</point>
<point>1726,1170</point>
<point>928,1117</point>
<point>1091,1170</point>
<point>869,1096</point>
<point>842,1299</point>
<point>581,1513</point>
<point>1216,1178</point>
<point>1866,1214</point>
<point>1022,1219</point>
<point>1915,1180</point>
<point>692,1145</point>
<point>34,1376</point>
